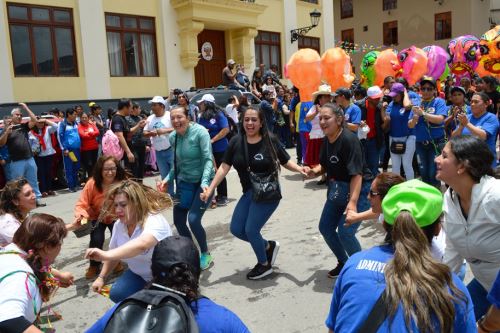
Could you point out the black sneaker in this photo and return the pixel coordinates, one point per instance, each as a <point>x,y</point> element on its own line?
<point>272,252</point>
<point>259,271</point>
<point>222,202</point>
<point>336,271</point>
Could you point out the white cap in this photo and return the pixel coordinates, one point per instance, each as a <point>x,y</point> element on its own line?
<point>206,98</point>
<point>231,62</point>
<point>374,92</point>
<point>157,99</point>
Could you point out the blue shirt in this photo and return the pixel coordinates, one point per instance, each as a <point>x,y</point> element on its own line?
<point>303,125</point>
<point>415,98</point>
<point>361,283</point>
<point>423,128</point>
<point>489,123</point>
<point>399,121</point>
<point>353,114</point>
<point>214,126</point>
<point>494,294</point>
<point>268,110</point>
<point>210,317</point>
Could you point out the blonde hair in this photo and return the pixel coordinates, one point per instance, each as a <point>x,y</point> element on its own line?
<point>145,200</point>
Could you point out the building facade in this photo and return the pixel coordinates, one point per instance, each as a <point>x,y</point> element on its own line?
<point>79,50</point>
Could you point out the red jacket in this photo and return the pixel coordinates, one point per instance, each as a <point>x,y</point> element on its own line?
<point>88,135</point>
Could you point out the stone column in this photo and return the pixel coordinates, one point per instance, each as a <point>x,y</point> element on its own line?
<point>188,33</point>
<point>242,43</point>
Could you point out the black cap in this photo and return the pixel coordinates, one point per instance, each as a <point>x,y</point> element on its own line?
<point>174,250</point>
<point>343,92</point>
<point>457,88</point>
<point>428,79</point>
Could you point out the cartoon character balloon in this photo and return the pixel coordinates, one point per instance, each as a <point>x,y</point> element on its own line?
<point>304,70</point>
<point>464,56</point>
<point>437,59</point>
<point>368,69</point>
<point>489,45</point>
<point>413,63</point>
<point>337,68</point>
<point>385,65</point>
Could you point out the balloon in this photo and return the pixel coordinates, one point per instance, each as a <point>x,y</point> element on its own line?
<point>413,63</point>
<point>437,59</point>
<point>489,64</point>
<point>336,68</point>
<point>464,56</point>
<point>445,74</point>
<point>304,70</point>
<point>385,65</point>
<point>368,69</point>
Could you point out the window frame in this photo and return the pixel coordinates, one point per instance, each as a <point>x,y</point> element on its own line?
<point>122,30</point>
<point>389,5</point>
<point>306,42</point>
<point>270,43</point>
<point>385,26</point>
<point>443,17</point>
<point>343,15</point>
<point>350,44</point>
<point>29,23</point>
<point>314,2</point>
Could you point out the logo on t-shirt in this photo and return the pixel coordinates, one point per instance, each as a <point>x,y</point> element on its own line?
<point>402,111</point>
<point>431,110</point>
<point>213,121</point>
<point>334,159</point>
<point>258,157</point>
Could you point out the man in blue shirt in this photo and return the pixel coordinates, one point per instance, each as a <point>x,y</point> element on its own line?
<point>269,106</point>
<point>490,322</point>
<point>352,112</point>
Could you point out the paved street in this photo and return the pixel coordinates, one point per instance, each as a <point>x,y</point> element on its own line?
<point>295,298</point>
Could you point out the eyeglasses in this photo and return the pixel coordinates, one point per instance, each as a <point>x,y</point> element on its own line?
<point>373,193</point>
<point>109,169</point>
<point>427,89</point>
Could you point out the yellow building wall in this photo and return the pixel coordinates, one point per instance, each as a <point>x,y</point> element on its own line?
<point>304,20</point>
<point>140,86</point>
<point>30,89</point>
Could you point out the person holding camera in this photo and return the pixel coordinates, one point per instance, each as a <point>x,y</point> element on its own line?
<point>15,136</point>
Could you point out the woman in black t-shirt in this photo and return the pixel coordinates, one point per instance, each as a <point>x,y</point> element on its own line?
<point>342,159</point>
<point>264,155</point>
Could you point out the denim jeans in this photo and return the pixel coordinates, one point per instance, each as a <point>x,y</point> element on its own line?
<point>248,219</point>
<point>193,215</point>
<point>341,240</point>
<point>426,153</point>
<point>406,159</point>
<point>25,168</point>
<point>97,238</point>
<point>165,162</point>
<point>126,285</point>
<point>304,139</point>
<point>478,295</point>
<point>372,155</point>
<point>71,169</point>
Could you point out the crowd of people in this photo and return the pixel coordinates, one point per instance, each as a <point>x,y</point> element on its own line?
<point>436,227</point>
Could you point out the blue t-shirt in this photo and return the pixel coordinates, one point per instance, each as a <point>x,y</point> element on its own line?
<point>214,126</point>
<point>415,98</point>
<point>399,121</point>
<point>489,123</point>
<point>361,283</point>
<point>353,114</point>
<point>210,317</point>
<point>494,294</point>
<point>435,107</point>
<point>303,125</point>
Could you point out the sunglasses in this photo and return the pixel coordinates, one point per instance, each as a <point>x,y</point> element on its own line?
<point>427,89</point>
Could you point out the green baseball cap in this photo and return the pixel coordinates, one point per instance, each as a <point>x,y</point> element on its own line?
<point>423,201</point>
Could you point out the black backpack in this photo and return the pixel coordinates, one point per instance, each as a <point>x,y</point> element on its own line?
<point>153,311</point>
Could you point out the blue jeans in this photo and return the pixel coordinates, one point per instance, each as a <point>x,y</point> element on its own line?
<point>343,242</point>
<point>193,215</point>
<point>248,219</point>
<point>71,169</point>
<point>165,162</point>
<point>27,169</point>
<point>372,154</point>
<point>426,153</point>
<point>126,285</point>
<point>478,295</point>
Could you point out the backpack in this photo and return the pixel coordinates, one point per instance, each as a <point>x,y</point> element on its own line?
<point>111,144</point>
<point>233,127</point>
<point>153,311</point>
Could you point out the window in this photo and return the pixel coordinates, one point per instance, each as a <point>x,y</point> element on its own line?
<point>268,49</point>
<point>42,40</point>
<point>347,40</point>
<point>131,45</point>
<point>391,33</point>
<point>311,1</point>
<point>442,26</point>
<point>389,4</point>
<point>346,9</point>
<point>309,42</point>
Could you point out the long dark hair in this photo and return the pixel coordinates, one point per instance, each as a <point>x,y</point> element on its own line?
<point>211,110</point>
<point>475,155</point>
<point>120,171</point>
<point>36,233</point>
<point>181,278</point>
<point>9,194</point>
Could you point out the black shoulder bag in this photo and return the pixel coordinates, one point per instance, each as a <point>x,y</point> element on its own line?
<point>265,186</point>
<point>398,148</point>
<point>377,316</point>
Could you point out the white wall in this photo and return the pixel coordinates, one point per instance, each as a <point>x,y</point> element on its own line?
<point>328,25</point>
<point>6,89</point>
<point>290,21</point>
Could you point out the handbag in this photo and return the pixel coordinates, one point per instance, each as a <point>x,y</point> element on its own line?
<point>398,148</point>
<point>265,186</point>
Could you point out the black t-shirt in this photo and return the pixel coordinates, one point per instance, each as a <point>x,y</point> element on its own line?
<point>495,98</point>
<point>259,158</point>
<point>343,158</point>
<point>18,144</point>
<point>119,124</point>
<point>138,139</point>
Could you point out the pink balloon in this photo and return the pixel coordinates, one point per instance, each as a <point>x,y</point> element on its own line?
<point>413,62</point>
<point>437,57</point>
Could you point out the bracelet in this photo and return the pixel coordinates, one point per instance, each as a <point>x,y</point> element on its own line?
<point>102,277</point>
<point>481,325</point>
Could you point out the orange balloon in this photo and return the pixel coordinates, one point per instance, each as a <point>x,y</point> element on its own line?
<point>304,70</point>
<point>386,65</point>
<point>336,68</point>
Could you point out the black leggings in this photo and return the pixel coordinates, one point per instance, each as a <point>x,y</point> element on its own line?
<point>89,159</point>
<point>97,238</point>
<point>222,188</point>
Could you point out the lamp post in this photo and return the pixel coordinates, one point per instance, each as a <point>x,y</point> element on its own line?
<point>296,33</point>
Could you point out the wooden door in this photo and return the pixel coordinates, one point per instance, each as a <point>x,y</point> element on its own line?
<point>211,45</point>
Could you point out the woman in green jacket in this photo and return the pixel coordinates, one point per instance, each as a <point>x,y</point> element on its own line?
<point>193,170</point>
